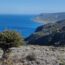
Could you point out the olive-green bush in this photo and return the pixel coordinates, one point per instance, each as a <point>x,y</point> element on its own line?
<point>10,39</point>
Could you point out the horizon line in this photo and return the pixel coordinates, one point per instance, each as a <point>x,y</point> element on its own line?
<point>29,13</point>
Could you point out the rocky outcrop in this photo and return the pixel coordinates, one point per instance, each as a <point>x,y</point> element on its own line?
<point>49,34</point>
<point>36,55</point>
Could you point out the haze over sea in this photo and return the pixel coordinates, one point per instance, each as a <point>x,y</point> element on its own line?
<point>23,24</point>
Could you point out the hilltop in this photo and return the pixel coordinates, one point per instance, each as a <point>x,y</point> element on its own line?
<point>36,55</point>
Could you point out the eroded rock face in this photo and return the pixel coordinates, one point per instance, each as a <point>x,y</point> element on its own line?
<point>49,34</point>
<point>36,55</point>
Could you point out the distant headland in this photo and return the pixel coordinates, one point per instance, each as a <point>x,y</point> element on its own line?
<point>49,17</point>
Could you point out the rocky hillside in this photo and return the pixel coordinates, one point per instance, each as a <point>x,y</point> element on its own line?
<point>36,55</point>
<point>50,17</point>
<point>49,34</point>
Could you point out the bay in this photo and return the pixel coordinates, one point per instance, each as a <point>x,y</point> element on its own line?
<point>23,24</point>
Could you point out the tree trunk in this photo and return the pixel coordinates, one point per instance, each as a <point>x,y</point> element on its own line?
<point>5,56</point>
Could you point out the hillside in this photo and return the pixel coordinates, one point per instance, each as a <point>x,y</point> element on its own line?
<point>49,34</point>
<point>36,55</point>
<point>50,17</point>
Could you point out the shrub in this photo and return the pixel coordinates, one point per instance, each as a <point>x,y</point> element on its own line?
<point>10,39</point>
<point>31,57</point>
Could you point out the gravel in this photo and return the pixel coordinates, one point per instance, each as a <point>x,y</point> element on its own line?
<point>37,55</point>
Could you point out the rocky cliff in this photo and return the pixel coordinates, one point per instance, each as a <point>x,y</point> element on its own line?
<point>49,34</point>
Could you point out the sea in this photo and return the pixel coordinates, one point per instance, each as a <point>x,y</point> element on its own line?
<point>23,24</point>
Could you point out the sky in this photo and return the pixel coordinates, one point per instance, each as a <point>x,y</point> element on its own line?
<point>31,6</point>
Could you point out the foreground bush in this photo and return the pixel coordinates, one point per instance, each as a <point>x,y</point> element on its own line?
<point>10,39</point>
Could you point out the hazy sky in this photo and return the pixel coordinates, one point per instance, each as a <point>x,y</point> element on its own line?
<point>31,6</point>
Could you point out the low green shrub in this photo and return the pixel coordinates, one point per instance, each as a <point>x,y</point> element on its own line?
<point>10,39</point>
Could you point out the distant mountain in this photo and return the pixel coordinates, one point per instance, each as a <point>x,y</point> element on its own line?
<point>49,34</point>
<point>50,17</point>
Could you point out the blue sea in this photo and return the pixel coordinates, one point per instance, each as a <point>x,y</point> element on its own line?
<point>23,24</point>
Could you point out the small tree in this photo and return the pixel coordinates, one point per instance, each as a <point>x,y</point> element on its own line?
<point>10,39</point>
